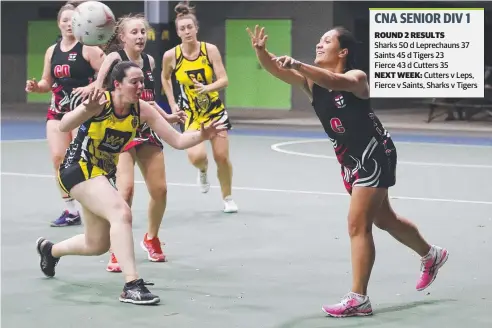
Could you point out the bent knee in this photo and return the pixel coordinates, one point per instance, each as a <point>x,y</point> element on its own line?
<point>125,214</point>
<point>57,159</point>
<point>385,222</point>
<point>98,246</point>
<point>102,248</point>
<point>359,226</point>
<point>159,193</point>
<point>197,158</point>
<point>121,214</point>
<point>385,217</point>
<point>221,158</point>
<point>127,192</point>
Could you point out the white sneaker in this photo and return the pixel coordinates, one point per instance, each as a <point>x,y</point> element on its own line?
<point>203,181</point>
<point>229,205</point>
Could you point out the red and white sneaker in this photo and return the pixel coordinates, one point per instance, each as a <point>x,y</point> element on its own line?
<point>352,305</point>
<point>113,265</point>
<point>153,249</point>
<point>431,263</point>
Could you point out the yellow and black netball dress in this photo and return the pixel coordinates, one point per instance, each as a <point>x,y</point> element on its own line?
<point>198,107</point>
<point>95,150</point>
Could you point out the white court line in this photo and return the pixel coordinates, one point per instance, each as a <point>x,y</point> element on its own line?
<point>23,140</point>
<point>276,147</point>
<point>431,144</point>
<point>285,191</point>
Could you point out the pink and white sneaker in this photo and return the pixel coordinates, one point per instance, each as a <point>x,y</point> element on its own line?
<point>431,263</point>
<point>352,305</point>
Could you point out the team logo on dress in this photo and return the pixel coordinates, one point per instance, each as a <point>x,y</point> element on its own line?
<point>72,56</point>
<point>196,75</point>
<point>114,141</point>
<point>202,102</point>
<point>339,101</point>
<point>204,61</point>
<point>134,122</point>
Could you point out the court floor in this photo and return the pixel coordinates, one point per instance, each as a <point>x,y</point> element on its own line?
<point>275,262</point>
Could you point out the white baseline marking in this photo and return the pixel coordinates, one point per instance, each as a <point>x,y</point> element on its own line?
<point>277,147</point>
<point>432,144</point>
<point>24,141</point>
<point>285,191</point>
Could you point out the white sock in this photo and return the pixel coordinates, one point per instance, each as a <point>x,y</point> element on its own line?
<point>359,297</point>
<point>431,253</point>
<point>70,206</point>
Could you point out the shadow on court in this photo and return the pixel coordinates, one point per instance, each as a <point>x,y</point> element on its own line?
<point>273,264</point>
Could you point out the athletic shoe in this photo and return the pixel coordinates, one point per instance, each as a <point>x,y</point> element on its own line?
<point>67,219</point>
<point>203,181</point>
<point>113,265</point>
<point>48,262</point>
<point>431,263</point>
<point>229,205</point>
<point>153,249</point>
<point>352,305</point>
<point>135,292</point>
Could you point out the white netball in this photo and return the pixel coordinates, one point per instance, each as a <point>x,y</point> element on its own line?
<point>93,23</point>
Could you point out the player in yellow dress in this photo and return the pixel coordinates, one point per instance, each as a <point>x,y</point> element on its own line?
<point>146,150</point>
<point>108,122</point>
<point>200,73</point>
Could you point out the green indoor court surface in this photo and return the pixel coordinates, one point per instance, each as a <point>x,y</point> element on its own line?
<point>41,35</point>
<point>250,86</point>
<point>271,265</point>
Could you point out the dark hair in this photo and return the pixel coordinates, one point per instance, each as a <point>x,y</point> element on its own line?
<point>117,72</point>
<point>183,10</point>
<point>114,43</point>
<point>349,42</point>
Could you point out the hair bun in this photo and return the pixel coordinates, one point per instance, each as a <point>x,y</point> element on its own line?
<point>183,9</point>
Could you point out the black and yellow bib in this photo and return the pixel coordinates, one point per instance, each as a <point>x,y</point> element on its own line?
<point>201,70</point>
<point>100,140</point>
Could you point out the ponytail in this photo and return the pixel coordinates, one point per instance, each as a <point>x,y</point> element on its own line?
<point>113,43</point>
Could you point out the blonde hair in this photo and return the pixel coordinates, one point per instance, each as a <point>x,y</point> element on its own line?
<point>114,43</point>
<point>183,11</point>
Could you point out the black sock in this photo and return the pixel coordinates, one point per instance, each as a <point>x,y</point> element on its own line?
<point>131,283</point>
<point>47,249</point>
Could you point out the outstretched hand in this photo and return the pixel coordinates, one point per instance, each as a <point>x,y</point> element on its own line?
<point>95,100</point>
<point>258,38</point>
<point>212,130</point>
<point>287,62</point>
